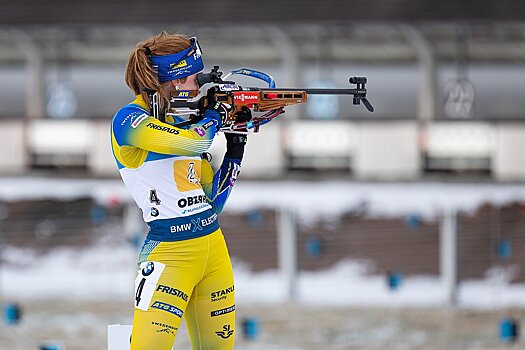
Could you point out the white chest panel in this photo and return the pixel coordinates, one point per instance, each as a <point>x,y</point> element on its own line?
<point>167,188</point>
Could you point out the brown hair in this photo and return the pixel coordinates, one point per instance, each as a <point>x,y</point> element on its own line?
<point>139,73</point>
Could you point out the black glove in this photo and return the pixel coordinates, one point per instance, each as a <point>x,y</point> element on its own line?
<point>235,145</point>
<point>244,115</point>
<point>216,106</point>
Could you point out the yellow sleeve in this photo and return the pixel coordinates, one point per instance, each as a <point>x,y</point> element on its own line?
<point>152,135</point>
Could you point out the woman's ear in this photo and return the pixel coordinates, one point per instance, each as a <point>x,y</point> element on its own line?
<point>175,83</point>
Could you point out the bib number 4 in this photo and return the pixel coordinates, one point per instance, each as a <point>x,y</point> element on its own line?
<point>153,198</point>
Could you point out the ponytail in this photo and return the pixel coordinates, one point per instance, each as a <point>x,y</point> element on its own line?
<point>140,75</point>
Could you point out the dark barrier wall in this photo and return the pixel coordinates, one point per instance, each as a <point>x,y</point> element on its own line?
<point>492,237</point>
<point>216,12</point>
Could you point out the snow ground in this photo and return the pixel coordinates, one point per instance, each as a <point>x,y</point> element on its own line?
<point>103,272</point>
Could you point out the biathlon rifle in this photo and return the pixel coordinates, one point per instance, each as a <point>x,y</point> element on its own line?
<point>237,99</point>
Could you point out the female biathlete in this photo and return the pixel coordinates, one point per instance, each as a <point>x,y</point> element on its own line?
<point>184,266</point>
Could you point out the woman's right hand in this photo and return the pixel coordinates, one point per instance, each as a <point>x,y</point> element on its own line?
<point>216,106</point>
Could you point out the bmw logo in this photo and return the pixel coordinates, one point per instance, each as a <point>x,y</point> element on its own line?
<point>154,212</point>
<point>148,269</point>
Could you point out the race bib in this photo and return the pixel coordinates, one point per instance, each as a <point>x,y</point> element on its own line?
<point>145,283</point>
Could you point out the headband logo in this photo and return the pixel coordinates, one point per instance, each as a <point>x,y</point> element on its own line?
<point>180,64</point>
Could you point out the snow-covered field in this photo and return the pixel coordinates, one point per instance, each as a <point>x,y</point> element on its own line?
<point>69,296</point>
<point>106,272</point>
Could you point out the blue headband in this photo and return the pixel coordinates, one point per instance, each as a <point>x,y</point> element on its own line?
<point>180,64</point>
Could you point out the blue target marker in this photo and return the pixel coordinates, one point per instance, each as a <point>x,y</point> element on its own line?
<point>504,249</point>
<point>314,246</point>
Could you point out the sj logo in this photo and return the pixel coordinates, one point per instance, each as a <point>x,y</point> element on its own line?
<point>226,332</point>
<point>187,174</point>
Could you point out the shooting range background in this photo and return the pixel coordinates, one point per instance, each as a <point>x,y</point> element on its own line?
<point>398,229</point>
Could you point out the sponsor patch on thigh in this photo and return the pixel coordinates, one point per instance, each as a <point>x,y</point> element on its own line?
<point>223,311</point>
<point>167,307</point>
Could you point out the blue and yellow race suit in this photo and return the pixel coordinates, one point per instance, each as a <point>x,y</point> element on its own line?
<point>184,265</point>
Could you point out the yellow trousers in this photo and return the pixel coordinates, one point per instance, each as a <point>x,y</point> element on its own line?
<point>191,279</point>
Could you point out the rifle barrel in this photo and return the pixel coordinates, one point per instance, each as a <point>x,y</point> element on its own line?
<point>321,91</point>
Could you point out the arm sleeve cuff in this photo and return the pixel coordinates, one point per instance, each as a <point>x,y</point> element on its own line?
<point>235,151</point>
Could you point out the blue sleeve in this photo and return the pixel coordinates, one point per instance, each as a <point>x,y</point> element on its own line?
<point>218,190</point>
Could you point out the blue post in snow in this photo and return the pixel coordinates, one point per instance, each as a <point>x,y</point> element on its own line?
<point>49,347</point>
<point>394,280</point>
<point>12,314</point>
<point>250,328</point>
<point>508,330</point>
